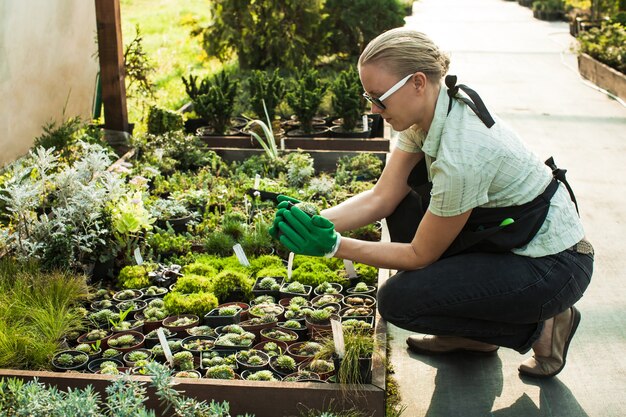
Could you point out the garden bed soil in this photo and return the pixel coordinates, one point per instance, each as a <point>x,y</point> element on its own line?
<point>259,398</point>
<point>602,75</point>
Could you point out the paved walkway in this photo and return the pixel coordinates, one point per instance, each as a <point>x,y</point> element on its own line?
<point>524,70</point>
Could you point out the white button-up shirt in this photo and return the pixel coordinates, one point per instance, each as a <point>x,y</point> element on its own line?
<point>473,166</point>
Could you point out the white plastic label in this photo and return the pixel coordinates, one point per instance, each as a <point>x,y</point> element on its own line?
<point>257,181</point>
<point>349,265</point>
<point>340,346</point>
<point>165,346</point>
<point>290,265</point>
<point>138,257</point>
<point>241,256</point>
<point>365,123</point>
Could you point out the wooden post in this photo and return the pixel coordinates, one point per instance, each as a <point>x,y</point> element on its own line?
<point>111,53</point>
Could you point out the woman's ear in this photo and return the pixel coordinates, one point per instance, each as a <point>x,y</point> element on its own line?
<point>419,81</point>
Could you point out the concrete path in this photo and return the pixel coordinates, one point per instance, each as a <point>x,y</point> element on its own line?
<point>525,71</point>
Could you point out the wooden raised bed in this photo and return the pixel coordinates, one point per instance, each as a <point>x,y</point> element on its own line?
<point>602,75</point>
<point>263,399</point>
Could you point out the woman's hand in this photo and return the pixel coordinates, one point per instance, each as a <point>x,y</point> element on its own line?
<point>308,235</point>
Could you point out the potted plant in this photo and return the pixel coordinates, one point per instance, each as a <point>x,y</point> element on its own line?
<point>234,341</point>
<point>126,341</point>
<point>283,365</point>
<point>151,337</point>
<point>352,312</point>
<point>201,331</point>
<point>294,289</point>
<point>193,374</point>
<point>271,347</point>
<point>303,351</point>
<point>154,291</point>
<point>222,316</point>
<point>69,360</point>
<point>322,300</point>
<point>158,353</point>
<point>177,324</point>
<point>264,375</point>
<point>252,360</point>
<point>112,354</point>
<point>216,105</point>
<point>355,367</point>
<point>549,10</point>
<point>304,97</point>
<point>171,211</point>
<point>359,301</point>
<point>162,120</point>
<point>103,363</point>
<point>95,336</point>
<point>263,309</point>
<point>318,322</point>
<point>220,372</point>
<point>183,361</point>
<point>362,288</point>
<point>324,368</point>
<point>256,324</point>
<point>349,105</point>
<point>267,90</point>
<point>127,295</point>
<point>275,334</point>
<point>197,344</point>
<point>153,318</point>
<point>328,288</point>
<point>267,286</point>
<point>130,358</point>
<point>93,350</point>
<point>295,326</point>
<point>302,376</point>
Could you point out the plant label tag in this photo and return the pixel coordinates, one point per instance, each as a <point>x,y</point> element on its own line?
<point>241,256</point>
<point>165,346</point>
<point>340,346</point>
<point>349,265</point>
<point>138,257</point>
<point>257,181</point>
<point>365,123</point>
<point>290,265</point>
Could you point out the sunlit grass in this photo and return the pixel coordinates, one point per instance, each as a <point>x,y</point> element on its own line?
<point>166,26</point>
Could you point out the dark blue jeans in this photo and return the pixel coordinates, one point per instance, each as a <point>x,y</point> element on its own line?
<point>500,298</point>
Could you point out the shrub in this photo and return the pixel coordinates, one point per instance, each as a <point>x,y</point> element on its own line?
<point>268,87</point>
<point>347,100</point>
<point>264,34</point>
<point>135,276</point>
<point>197,303</point>
<point>191,283</point>
<point>218,103</point>
<point>362,167</point>
<point>607,44</point>
<point>306,92</point>
<point>162,120</point>
<point>228,282</point>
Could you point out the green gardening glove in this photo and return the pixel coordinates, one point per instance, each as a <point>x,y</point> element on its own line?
<point>284,203</point>
<point>308,235</point>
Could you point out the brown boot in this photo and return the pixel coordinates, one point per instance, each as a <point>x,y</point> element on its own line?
<point>435,345</point>
<point>564,327</point>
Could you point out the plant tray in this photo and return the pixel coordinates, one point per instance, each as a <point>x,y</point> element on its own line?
<point>602,75</point>
<point>258,398</point>
<point>323,160</point>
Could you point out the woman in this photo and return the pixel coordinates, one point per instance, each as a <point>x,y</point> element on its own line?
<point>490,248</point>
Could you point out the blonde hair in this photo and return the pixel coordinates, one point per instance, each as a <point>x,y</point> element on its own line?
<point>404,51</point>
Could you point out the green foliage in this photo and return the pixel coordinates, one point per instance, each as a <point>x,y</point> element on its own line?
<point>220,372</point>
<point>353,24</point>
<point>194,89</point>
<point>548,5</point>
<point>347,100</point>
<point>191,283</point>
<point>199,268</point>
<point>267,90</point>
<point>228,282</point>
<point>162,120</point>
<point>257,240</point>
<point>138,68</point>
<point>135,276</point>
<point>273,271</point>
<point>361,167</point>
<point>314,273</point>
<point>218,103</point>
<point>306,92</point>
<point>264,34</point>
<point>606,44</point>
<point>167,244</point>
<point>219,243</point>
<point>300,168</point>
<point>266,261</point>
<point>60,137</point>
<point>199,303</point>
<point>36,310</point>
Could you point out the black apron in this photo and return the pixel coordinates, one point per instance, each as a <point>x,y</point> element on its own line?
<point>484,230</point>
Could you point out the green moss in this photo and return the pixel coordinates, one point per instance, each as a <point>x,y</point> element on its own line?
<point>273,271</point>
<point>197,303</point>
<point>191,283</point>
<point>200,268</point>
<point>135,276</point>
<point>227,282</point>
<point>265,261</point>
<point>314,273</point>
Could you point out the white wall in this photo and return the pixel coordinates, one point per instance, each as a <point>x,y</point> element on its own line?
<point>47,54</point>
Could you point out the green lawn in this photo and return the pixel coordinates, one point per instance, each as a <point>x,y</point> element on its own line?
<point>165,26</point>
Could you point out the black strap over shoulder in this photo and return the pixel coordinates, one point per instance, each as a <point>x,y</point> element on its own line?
<point>474,102</point>
<point>559,174</point>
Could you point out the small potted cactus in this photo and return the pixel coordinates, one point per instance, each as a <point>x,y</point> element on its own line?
<point>252,360</point>
<point>283,365</point>
<point>69,360</point>
<point>294,289</point>
<point>267,286</point>
<point>361,288</point>
<point>222,371</point>
<point>126,341</point>
<point>184,361</point>
<point>132,357</point>
<point>222,316</point>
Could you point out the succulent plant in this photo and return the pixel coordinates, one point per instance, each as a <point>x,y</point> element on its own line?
<point>320,366</point>
<point>360,287</point>
<point>183,360</point>
<point>228,311</point>
<point>96,334</point>
<point>296,288</point>
<point>110,353</point>
<point>123,341</point>
<point>292,324</point>
<point>269,283</point>
<point>298,301</point>
<point>286,363</point>
<point>264,375</point>
<point>220,372</point>
<point>137,355</point>
<point>201,331</point>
